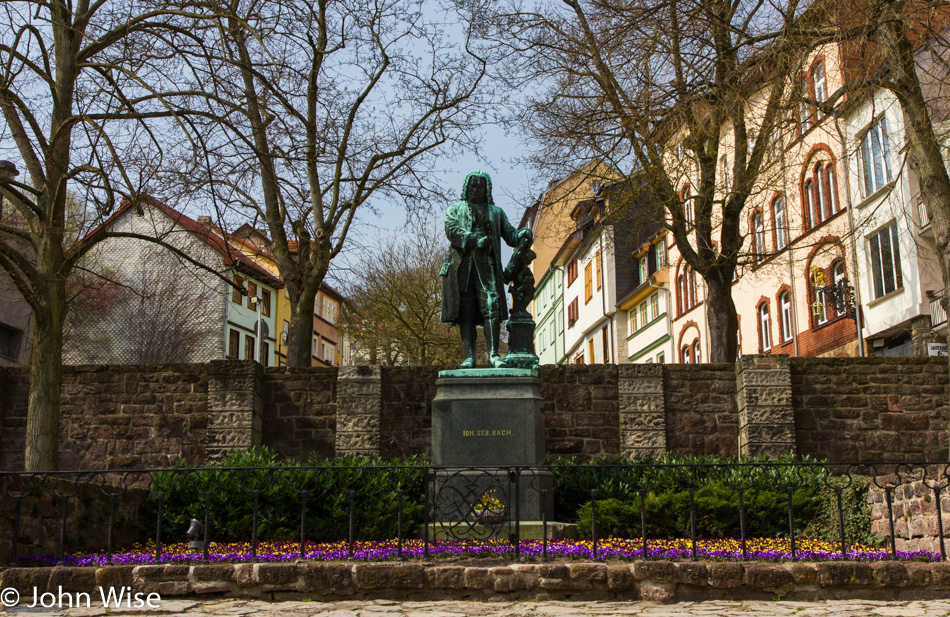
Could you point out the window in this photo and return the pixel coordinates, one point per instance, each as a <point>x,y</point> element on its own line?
<point>553,333</point>
<point>758,226</point>
<point>644,318</point>
<point>237,289</point>
<point>655,305</point>
<point>633,320</point>
<point>286,329</point>
<point>687,206</point>
<point>571,271</point>
<point>724,172</point>
<point>252,296</point>
<point>662,253</point>
<point>785,314</point>
<point>551,290</point>
<point>686,290</point>
<point>660,358</point>
<point>684,354</point>
<point>588,284</point>
<point>804,109</point>
<point>590,350</point>
<point>328,353</point>
<point>818,81</point>
<point>837,273</point>
<point>765,339</point>
<point>579,358</point>
<point>820,193</point>
<point>560,322</point>
<point>266,354</point>
<point>329,310</point>
<point>599,273</point>
<point>885,261</point>
<point>875,157</point>
<point>10,342</point>
<point>248,347</point>
<point>778,212</point>
<point>821,316</point>
<point>697,358</point>
<point>606,341</point>
<point>572,313</point>
<point>541,340</point>
<point>644,269</point>
<point>234,341</point>
<point>265,303</point>
<point>315,351</point>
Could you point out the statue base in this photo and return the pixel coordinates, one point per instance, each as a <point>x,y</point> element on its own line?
<point>483,419</point>
<point>521,342</point>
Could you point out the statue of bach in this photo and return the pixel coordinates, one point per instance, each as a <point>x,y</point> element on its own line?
<point>472,276</point>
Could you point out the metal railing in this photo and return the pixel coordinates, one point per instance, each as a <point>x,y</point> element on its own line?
<point>484,503</point>
<point>938,315</point>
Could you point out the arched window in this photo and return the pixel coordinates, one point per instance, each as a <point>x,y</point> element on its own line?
<point>823,207</point>
<point>785,314</point>
<point>765,338</point>
<point>820,193</point>
<point>684,355</point>
<point>778,212</point>
<point>810,200</point>
<point>819,312</point>
<point>837,271</point>
<point>758,227</point>
<point>697,357</point>
<point>686,289</point>
<point>687,206</point>
<point>692,287</point>
<point>682,294</point>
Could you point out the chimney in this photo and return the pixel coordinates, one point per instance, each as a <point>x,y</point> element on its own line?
<point>205,221</point>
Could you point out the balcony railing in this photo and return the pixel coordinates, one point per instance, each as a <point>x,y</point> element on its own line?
<point>938,315</point>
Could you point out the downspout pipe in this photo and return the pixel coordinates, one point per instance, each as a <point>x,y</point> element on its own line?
<point>858,314</point>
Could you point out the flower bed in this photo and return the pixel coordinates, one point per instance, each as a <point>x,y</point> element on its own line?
<point>758,549</point>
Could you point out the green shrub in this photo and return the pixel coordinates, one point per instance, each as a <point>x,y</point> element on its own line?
<point>857,512</point>
<point>670,473</point>
<point>717,513</point>
<point>279,502</point>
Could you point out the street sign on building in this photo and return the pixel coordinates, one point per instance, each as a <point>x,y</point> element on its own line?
<point>936,349</point>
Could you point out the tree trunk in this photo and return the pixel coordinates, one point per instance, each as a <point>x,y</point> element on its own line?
<point>723,322</point>
<point>46,380</point>
<point>300,336</point>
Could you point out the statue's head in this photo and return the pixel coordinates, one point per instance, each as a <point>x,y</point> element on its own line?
<point>480,182</point>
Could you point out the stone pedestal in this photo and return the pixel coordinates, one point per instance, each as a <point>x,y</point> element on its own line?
<point>483,419</point>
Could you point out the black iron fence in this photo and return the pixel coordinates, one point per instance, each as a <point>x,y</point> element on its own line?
<point>64,512</point>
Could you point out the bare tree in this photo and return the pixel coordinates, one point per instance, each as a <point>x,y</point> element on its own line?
<point>157,312</point>
<point>395,304</point>
<point>79,84</point>
<point>677,91</point>
<point>315,111</point>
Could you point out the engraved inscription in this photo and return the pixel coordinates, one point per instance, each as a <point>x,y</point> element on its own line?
<point>487,433</point>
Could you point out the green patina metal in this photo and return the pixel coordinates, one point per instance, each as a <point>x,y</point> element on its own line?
<point>473,280</point>
<point>488,372</point>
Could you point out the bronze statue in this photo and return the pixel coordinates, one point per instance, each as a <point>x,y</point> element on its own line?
<point>472,277</point>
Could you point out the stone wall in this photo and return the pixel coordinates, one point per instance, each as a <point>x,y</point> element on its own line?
<point>871,409</point>
<point>656,581</point>
<point>581,407</point>
<point>114,417</point>
<point>701,415</point>
<point>299,416</point>
<point>842,409</point>
<point>914,504</point>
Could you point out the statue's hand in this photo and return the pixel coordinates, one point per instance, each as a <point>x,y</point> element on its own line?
<point>524,236</point>
<point>483,243</point>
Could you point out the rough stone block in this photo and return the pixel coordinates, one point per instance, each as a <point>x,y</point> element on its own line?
<point>215,572</point>
<point>770,577</point>
<point>389,576</point>
<point>118,576</point>
<point>25,579</point>
<point>726,575</point>
<point>276,576</point>
<point>477,578</point>
<point>655,571</point>
<point>844,574</point>
<point>327,578</point>
<point>692,573</point>
<point>446,577</point>
<point>655,593</point>
<point>803,573</point>
<point>619,577</point>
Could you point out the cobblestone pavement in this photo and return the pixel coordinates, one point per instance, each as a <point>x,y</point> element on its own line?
<point>450,608</point>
